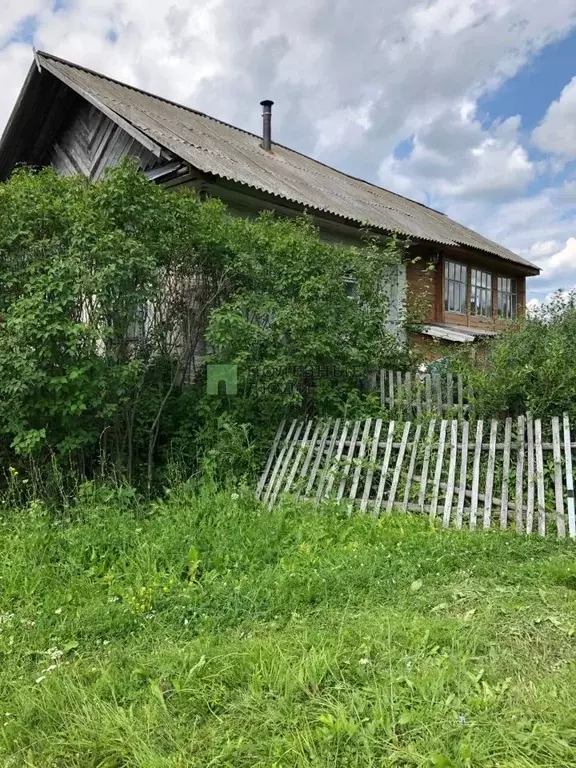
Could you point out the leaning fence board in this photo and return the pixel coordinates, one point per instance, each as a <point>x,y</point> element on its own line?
<point>569,477</point>
<point>278,464</point>
<point>285,465</point>
<point>519,471</point>
<point>438,470</point>
<point>530,467</point>
<point>463,475</point>
<point>505,474</point>
<point>384,470</point>
<point>271,456</point>
<point>317,459</point>
<point>328,459</point>
<point>358,469</point>
<point>411,466</point>
<point>451,473</point>
<point>337,458</point>
<point>476,474</point>
<point>308,459</point>
<point>490,475</point>
<point>558,492</point>
<point>398,468</point>
<point>540,477</point>
<point>298,458</point>
<point>370,470</point>
<point>426,464</point>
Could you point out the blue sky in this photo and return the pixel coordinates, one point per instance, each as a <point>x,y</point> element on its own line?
<point>467,105</point>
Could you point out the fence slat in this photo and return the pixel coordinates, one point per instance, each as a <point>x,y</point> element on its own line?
<point>519,471</point>
<point>370,471</point>
<point>398,468</point>
<point>451,473</point>
<point>360,459</point>
<point>271,455</point>
<point>408,390</point>
<point>411,466</point>
<point>426,464</point>
<point>317,459</point>
<point>540,477</point>
<point>337,459</point>
<point>460,395</point>
<point>449,390</point>
<point>437,380</point>
<point>463,475</point>
<point>438,470</point>
<point>569,477</point>
<point>308,459</point>
<point>505,474</point>
<point>476,474</point>
<point>558,492</point>
<point>279,462</point>
<point>490,475</point>
<point>285,464</point>
<point>384,470</point>
<point>298,459</point>
<point>428,384</point>
<point>346,470</point>
<point>383,388</point>
<point>391,390</point>
<point>530,463</point>
<point>327,463</point>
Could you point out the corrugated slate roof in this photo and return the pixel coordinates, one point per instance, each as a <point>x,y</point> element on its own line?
<point>230,153</point>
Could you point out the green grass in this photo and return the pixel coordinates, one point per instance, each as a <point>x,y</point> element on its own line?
<point>206,631</point>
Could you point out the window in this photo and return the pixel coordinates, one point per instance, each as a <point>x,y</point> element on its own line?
<point>481,294</point>
<point>455,280</point>
<point>507,297</point>
<point>350,287</point>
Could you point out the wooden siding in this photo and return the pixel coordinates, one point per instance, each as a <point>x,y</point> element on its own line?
<point>92,142</point>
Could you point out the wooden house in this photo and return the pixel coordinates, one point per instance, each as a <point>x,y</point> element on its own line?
<point>79,121</point>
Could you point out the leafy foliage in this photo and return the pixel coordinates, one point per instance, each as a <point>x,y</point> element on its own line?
<point>528,368</point>
<point>108,288</point>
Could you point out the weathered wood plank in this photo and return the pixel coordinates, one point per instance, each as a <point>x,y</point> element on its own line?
<point>505,474</point>
<point>558,491</point>
<point>451,473</point>
<point>317,459</point>
<point>271,457</point>
<point>308,459</point>
<point>463,475</point>
<point>360,459</point>
<point>438,470</point>
<point>476,474</point>
<point>398,468</point>
<point>285,464</point>
<point>411,466</point>
<point>428,385</point>
<point>569,477</point>
<point>349,457</point>
<point>337,458</point>
<point>370,470</point>
<point>530,467</point>
<point>328,460</point>
<point>519,471</point>
<point>490,475</point>
<point>540,477</point>
<point>426,463</point>
<point>384,470</point>
<point>278,464</point>
<point>298,459</point>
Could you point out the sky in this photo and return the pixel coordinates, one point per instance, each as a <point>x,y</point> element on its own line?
<point>466,105</point>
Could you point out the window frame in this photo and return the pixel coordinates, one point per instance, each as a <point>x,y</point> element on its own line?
<point>450,284</point>
<point>483,291</point>
<point>511,295</point>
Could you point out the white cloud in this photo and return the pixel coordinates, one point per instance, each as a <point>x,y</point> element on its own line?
<point>351,80</point>
<point>557,131</point>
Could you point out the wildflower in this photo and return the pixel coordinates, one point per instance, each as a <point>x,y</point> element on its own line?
<point>364,661</point>
<point>461,718</point>
<point>39,679</point>
<point>6,617</point>
<point>58,611</point>
<point>51,668</point>
<point>13,471</point>
<point>235,496</point>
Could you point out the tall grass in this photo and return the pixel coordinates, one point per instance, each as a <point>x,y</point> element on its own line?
<point>206,631</point>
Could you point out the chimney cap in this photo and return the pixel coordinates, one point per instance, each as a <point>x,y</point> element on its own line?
<point>266,103</point>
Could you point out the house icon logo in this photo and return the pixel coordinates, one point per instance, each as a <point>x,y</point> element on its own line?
<point>221,379</point>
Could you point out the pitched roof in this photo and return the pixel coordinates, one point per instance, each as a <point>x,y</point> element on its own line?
<point>222,150</point>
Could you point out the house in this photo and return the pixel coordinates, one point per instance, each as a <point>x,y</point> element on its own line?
<point>79,121</point>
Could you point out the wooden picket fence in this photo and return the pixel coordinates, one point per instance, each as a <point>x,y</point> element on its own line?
<point>512,474</point>
<point>412,394</point>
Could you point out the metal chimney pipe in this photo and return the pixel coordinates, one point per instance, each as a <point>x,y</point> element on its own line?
<point>267,124</point>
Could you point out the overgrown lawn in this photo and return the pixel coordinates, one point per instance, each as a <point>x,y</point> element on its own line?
<point>207,631</point>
